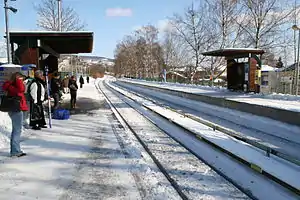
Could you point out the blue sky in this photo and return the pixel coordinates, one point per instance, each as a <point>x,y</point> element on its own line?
<point>108,30</point>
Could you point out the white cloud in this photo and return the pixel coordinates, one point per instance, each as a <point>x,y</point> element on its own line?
<point>118,12</point>
<point>161,25</point>
<point>164,25</point>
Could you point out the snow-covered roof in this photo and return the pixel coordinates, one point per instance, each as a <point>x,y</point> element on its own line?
<point>3,60</point>
<point>217,80</point>
<point>250,49</point>
<point>267,68</point>
<point>176,73</point>
<point>10,65</point>
<point>233,52</point>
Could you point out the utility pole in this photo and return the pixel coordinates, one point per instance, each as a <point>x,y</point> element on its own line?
<point>7,32</point>
<point>295,81</point>
<point>295,40</point>
<point>71,58</point>
<point>296,28</point>
<point>14,10</point>
<point>76,70</point>
<point>59,15</point>
<point>297,72</point>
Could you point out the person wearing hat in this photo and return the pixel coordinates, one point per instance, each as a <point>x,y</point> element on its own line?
<point>37,93</point>
<point>15,87</point>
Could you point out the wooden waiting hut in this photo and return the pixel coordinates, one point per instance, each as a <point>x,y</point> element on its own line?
<point>243,68</point>
<point>44,48</point>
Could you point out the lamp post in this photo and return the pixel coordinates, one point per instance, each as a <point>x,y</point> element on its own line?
<point>296,28</point>
<point>14,10</point>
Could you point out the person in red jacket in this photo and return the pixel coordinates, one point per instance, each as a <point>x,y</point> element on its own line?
<point>15,87</point>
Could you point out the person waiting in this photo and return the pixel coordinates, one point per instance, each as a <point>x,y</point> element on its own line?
<point>55,90</point>
<point>81,81</point>
<point>15,88</point>
<point>37,93</point>
<point>73,91</point>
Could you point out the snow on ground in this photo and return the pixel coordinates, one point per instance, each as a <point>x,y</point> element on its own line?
<point>5,128</point>
<point>184,85</point>
<point>287,102</point>
<point>79,158</point>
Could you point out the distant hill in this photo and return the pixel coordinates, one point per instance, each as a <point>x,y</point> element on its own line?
<point>97,57</point>
<point>93,58</point>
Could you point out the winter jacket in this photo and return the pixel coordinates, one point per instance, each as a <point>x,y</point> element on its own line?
<point>16,89</point>
<point>55,85</point>
<point>37,91</point>
<point>81,80</point>
<point>73,86</point>
<point>66,82</point>
<point>27,83</point>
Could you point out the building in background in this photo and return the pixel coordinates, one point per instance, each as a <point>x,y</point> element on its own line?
<point>269,79</point>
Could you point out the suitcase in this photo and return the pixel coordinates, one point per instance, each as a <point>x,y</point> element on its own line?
<point>61,114</point>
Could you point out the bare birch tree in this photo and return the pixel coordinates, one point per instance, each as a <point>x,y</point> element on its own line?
<point>265,19</point>
<point>140,55</point>
<point>175,54</point>
<point>47,11</point>
<point>195,31</point>
<point>222,16</point>
<point>149,34</point>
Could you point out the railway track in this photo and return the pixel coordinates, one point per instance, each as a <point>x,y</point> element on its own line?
<point>203,139</point>
<point>238,135</point>
<point>229,118</point>
<point>165,172</point>
<point>123,121</point>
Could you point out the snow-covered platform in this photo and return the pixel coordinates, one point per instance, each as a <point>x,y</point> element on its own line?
<point>284,108</point>
<point>79,158</point>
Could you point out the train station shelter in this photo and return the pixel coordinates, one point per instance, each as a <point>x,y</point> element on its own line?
<point>243,68</point>
<point>43,48</point>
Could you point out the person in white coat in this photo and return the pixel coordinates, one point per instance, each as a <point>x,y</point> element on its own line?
<point>37,93</point>
<point>26,114</point>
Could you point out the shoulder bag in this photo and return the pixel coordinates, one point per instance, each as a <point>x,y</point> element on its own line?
<point>10,103</point>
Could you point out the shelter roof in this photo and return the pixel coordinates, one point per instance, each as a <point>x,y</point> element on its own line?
<point>61,42</point>
<point>231,52</point>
